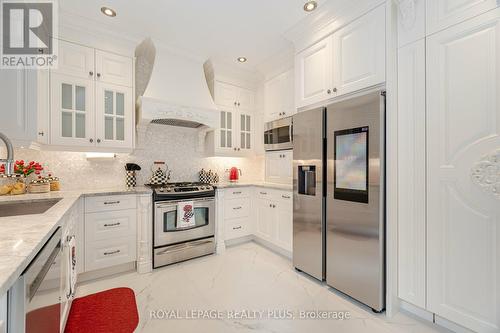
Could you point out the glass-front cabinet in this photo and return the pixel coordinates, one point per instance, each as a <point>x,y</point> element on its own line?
<point>245,130</point>
<point>235,133</point>
<point>226,131</point>
<point>72,111</point>
<point>114,115</point>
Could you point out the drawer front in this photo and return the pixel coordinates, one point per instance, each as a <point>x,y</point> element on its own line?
<point>236,208</point>
<point>109,203</point>
<point>285,197</point>
<point>239,192</point>
<point>108,253</point>
<point>109,225</point>
<point>264,193</point>
<point>236,228</point>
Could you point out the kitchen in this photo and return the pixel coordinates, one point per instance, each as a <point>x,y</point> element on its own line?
<point>331,168</point>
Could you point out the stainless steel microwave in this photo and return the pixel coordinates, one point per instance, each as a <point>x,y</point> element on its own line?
<point>278,134</point>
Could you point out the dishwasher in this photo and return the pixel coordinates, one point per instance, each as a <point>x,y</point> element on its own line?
<point>34,302</point>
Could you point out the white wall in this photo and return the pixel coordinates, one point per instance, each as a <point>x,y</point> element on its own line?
<point>174,145</point>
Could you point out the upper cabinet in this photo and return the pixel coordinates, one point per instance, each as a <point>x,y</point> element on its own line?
<point>232,97</point>
<point>442,14</point>
<point>92,103</point>
<point>279,96</point>
<point>351,59</point>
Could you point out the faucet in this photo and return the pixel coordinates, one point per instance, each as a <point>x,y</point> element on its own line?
<point>9,162</point>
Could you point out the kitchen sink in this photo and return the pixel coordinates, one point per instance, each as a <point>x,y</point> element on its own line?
<point>26,207</point>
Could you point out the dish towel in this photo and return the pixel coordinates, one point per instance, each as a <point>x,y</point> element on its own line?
<point>185,215</point>
<point>72,257</point>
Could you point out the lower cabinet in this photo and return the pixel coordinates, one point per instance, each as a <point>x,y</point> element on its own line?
<point>3,313</point>
<point>279,166</point>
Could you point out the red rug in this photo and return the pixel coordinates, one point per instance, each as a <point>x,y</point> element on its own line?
<point>109,311</point>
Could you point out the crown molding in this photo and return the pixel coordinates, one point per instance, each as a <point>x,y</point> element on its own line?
<point>328,18</point>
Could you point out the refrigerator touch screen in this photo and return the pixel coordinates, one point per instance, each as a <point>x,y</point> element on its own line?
<point>351,165</point>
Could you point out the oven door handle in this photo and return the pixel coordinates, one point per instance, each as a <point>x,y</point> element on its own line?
<point>173,204</point>
<point>184,246</point>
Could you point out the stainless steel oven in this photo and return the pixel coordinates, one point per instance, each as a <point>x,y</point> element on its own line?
<point>278,134</point>
<point>173,243</point>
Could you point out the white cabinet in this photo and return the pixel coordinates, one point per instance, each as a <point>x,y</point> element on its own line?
<point>463,211</point>
<point>284,234</point>
<point>236,211</point>
<point>279,166</point>
<point>3,313</point>
<point>266,219</point>
<point>313,68</point>
<point>18,91</point>
<point>359,53</point>
<point>280,96</point>
<point>445,13</point>
<point>411,174</point>
<point>110,231</point>
<point>411,21</point>
<point>351,59</point>
<point>92,102</point>
<point>230,96</point>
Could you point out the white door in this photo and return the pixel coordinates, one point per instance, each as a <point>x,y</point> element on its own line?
<point>225,133</point>
<point>72,111</point>
<point>273,166</point>
<point>76,60</point>
<point>285,222</point>
<point>113,68</point>
<point>114,116</point>
<point>411,174</point>
<point>445,13</point>
<point>226,95</point>
<point>288,94</point>
<point>245,133</point>
<point>273,91</point>
<point>314,73</point>
<point>246,99</point>
<point>266,219</point>
<point>359,53</point>
<point>463,144</point>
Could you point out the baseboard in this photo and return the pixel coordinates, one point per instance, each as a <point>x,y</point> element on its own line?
<point>272,247</point>
<point>100,273</point>
<point>238,241</point>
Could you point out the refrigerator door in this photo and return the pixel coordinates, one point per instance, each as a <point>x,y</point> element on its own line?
<point>308,215</point>
<point>355,215</point>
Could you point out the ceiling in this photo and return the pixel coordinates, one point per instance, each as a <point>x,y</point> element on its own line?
<point>218,29</point>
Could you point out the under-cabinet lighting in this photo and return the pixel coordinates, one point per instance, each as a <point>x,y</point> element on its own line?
<point>101,156</point>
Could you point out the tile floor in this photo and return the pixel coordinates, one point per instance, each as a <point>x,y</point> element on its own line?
<point>247,277</point>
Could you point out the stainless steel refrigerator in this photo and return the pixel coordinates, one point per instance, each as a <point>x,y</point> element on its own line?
<point>339,196</point>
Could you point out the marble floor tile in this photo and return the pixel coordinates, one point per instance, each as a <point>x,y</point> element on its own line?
<point>246,289</point>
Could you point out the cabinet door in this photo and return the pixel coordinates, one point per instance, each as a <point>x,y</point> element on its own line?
<point>226,95</point>
<point>314,73</point>
<point>246,100</point>
<point>18,96</point>
<point>288,94</point>
<point>272,96</point>
<point>273,166</point>
<point>225,140</point>
<point>284,234</point>
<point>266,219</point>
<point>359,53</point>
<point>463,140</point>
<point>72,111</point>
<point>445,13</point>
<point>411,171</point>
<point>114,112</point>
<point>112,68</point>
<point>75,60</point>
<point>245,132</point>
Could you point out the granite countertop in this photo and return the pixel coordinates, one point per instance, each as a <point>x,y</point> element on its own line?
<point>22,237</point>
<point>283,187</point>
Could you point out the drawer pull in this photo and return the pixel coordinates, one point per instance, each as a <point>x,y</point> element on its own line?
<point>236,228</point>
<point>111,202</point>
<point>264,193</point>
<point>239,192</point>
<point>285,196</point>
<point>236,208</point>
<point>112,224</point>
<point>112,252</point>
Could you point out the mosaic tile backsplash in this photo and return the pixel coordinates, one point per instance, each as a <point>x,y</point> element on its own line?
<point>174,145</point>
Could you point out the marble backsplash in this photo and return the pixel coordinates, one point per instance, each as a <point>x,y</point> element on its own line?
<point>174,145</point>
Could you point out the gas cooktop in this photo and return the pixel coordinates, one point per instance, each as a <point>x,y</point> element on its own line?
<point>184,190</point>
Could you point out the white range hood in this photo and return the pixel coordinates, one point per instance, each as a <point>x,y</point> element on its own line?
<point>177,93</point>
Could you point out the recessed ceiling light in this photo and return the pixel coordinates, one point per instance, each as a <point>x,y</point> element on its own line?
<point>108,11</point>
<point>242,59</point>
<point>310,6</point>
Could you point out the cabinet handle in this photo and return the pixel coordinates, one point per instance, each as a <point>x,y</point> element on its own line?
<point>236,228</point>
<point>111,202</point>
<point>91,73</point>
<point>271,205</point>
<point>274,206</point>
<point>112,224</point>
<point>264,193</point>
<point>285,196</point>
<point>235,103</point>
<point>41,133</point>
<point>98,140</point>
<point>112,252</point>
<point>238,103</point>
<point>329,91</point>
<point>334,89</point>
<point>236,208</point>
<point>239,149</point>
<point>236,192</point>
<point>91,140</point>
<point>98,74</point>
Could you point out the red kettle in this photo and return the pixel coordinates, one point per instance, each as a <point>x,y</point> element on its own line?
<point>234,174</point>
